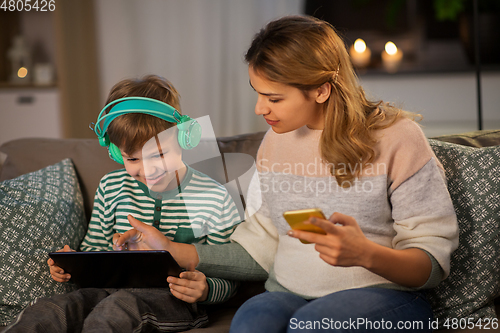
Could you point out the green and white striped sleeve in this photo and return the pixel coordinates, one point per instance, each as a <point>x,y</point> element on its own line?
<point>220,290</point>
<point>221,230</point>
<point>100,229</point>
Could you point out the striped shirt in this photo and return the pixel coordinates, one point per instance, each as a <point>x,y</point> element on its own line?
<point>200,211</point>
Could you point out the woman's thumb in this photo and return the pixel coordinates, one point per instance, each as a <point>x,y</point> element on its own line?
<point>342,219</point>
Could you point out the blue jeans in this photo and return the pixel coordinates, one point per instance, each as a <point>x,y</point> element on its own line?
<point>354,310</point>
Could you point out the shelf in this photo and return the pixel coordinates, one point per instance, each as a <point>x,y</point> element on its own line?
<point>8,85</point>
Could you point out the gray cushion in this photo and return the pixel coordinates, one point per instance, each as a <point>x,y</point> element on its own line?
<point>473,176</point>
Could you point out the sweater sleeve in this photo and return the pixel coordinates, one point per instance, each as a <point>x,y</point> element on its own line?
<point>254,244</point>
<point>424,216</point>
<point>229,261</point>
<point>257,235</point>
<point>221,288</point>
<point>422,209</point>
<point>100,229</point>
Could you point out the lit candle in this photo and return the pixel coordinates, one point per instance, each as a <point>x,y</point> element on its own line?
<point>22,72</point>
<point>391,57</point>
<point>360,53</point>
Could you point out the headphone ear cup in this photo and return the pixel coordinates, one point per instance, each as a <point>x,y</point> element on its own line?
<point>189,134</point>
<point>115,153</point>
<point>104,141</point>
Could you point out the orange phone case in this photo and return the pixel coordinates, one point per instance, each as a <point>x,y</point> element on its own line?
<point>296,219</point>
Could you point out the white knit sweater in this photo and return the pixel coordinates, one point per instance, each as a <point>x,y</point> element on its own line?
<point>401,201</point>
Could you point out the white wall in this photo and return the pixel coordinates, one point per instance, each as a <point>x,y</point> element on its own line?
<point>29,112</point>
<point>447,101</point>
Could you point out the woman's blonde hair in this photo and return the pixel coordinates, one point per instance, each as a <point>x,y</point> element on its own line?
<point>131,131</point>
<point>305,53</point>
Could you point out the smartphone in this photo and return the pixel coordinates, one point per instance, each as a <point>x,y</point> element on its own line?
<point>296,219</point>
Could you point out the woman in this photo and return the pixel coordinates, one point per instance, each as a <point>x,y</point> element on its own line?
<point>367,165</point>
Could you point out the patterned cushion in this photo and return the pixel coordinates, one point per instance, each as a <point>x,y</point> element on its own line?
<point>40,212</point>
<point>473,182</point>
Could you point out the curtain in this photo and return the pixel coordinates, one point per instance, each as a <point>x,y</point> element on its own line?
<point>77,66</point>
<point>198,45</point>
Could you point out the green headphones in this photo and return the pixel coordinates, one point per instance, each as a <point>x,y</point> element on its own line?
<point>189,129</point>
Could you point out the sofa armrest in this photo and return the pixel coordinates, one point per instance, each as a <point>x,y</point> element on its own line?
<point>484,138</point>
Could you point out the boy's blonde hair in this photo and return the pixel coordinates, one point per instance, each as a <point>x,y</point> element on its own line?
<point>305,53</point>
<point>131,131</point>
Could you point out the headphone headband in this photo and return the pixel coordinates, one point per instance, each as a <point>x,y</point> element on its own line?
<point>189,130</point>
<point>143,105</point>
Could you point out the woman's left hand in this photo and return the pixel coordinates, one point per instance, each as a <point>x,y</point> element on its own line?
<point>146,237</point>
<point>344,243</point>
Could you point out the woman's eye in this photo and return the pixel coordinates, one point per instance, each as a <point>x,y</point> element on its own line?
<point>274,100</point>
<point>158,156</point>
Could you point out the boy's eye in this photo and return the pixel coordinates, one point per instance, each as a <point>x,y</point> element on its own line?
<point>132,159</point>
<point>274,100</point>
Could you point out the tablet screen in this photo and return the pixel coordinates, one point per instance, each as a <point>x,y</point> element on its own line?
<point>118,269</point>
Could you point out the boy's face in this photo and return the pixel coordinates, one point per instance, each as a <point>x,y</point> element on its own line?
<point>155,164</point>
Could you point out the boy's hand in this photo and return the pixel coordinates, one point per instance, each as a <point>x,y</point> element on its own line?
<point>190,287</point>
<point>57,272</point>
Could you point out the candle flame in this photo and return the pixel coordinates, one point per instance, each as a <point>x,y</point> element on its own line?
<point>22,72</point>
<point>391,48</point>
<point>359,45</point>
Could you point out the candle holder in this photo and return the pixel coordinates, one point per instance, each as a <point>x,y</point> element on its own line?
<point>391,57</point>
<point>360,53</point>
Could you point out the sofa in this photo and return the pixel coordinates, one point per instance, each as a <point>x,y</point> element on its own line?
<point>46,195</point>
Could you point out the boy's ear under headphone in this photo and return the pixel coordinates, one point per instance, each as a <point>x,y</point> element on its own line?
<point>189,129</point>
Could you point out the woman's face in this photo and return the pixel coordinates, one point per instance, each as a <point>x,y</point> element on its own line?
<point>286,108</point>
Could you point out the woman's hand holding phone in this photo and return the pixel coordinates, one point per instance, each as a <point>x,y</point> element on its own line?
<point>298,220</point>
<point>342,244</point>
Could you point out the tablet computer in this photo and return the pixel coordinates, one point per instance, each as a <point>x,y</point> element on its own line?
<point>118,269</point>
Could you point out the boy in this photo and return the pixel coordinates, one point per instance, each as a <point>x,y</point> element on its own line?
<point>157,188</point>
